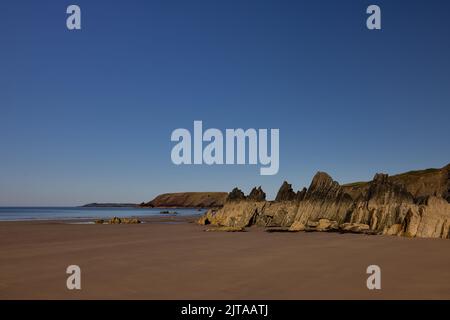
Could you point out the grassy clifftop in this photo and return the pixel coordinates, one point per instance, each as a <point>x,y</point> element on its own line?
<point>188,200</point>
<point>420,183</point>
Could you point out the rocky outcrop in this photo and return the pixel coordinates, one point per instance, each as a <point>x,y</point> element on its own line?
<point>188,200</point>
<point>235,195</point>
<point>428,220</point>
<point>257,194</point>
<point>384,204</point>
<point>234,214</point>
<point>277,214</point>
<point>420,184</point>
<point>117,220</point>
<point>381,206</point>
<point>285,193</point>
<point>324,199</point>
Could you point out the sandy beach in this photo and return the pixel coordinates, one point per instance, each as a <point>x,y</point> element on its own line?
<point>173,258</point>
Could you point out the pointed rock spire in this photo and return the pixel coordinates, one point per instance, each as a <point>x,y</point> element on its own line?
<point>236,195</point>
<point>285,193</point>
<point>257,194</point>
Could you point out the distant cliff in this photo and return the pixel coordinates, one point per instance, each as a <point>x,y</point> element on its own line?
<point>109,205</point>
<point>188,200</point>
<point>413,204</point>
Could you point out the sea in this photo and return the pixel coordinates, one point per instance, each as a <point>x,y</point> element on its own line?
<point>81,213</point>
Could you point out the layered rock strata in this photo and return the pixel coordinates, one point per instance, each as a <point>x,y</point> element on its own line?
<point>399,205</point>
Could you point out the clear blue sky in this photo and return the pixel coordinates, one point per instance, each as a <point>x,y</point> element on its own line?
<point>86,116</point>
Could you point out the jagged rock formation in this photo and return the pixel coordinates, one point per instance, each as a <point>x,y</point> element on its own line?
<point>257,194</point>
<point>236,195</point>
<point>384,205</point>
<point>236,214</point>
<point>324,199</point>
<point>285,193</point>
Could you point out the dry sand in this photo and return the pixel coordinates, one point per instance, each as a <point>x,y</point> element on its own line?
<point>160,260</point>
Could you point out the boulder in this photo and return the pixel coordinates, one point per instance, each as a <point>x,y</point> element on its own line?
<point>326,225</point>
<point>117,220</point>
<point>130,221</point>
<point>354,227</point>
<point>312,224</point>
<point>297,226</point>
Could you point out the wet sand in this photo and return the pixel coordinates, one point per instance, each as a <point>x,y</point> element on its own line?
<point>177,260</point>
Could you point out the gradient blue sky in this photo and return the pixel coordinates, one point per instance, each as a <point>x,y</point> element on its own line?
<point>86,116</point>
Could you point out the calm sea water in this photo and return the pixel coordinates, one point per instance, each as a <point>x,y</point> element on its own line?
<point>61,213</point>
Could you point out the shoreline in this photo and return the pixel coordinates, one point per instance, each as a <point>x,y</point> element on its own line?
<point>145,219</point>
<point>90,213</point>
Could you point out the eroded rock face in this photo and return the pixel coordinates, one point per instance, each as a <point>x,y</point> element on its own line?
<point>383,206</point>
<point>277,214</point>
<point>235,214</point>
<point>323,186</point>
<point>324,199</point>
<point>429,220</point>
<point>421,184</point>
